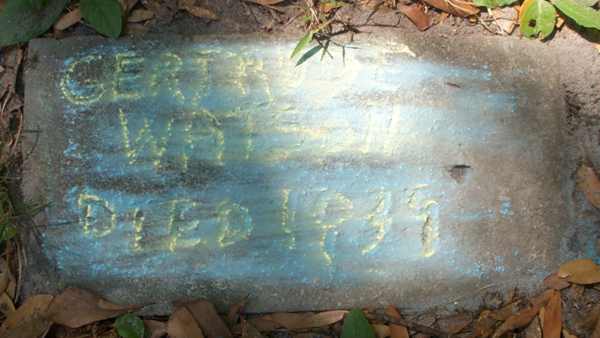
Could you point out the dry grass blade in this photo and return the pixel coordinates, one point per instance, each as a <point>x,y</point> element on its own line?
<point>183,325</point>
<point>68,20</point>
<point>75,308</point>
<point>552,323</point>
<point>588,182</point>
<point>211,323</point>
<point>416,14</point>
<point>455,7</point>
<point>29,320</point>
<point>580,271</point>
<point>297,321</point>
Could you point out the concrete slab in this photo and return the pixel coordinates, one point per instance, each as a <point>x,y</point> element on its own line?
<point>409,172</point>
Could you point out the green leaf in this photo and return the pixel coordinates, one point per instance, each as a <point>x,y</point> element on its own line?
<point>130,326</point>
<point>308,55</point>
<point>538,18</point>
<point>493,3</point>
<point>7,232</point>
<point>306,39</point>
<point>104,15</point>
<point>356,325</point>
<point>582,15</point>
<point>38,4</point>
<point>20,21</point>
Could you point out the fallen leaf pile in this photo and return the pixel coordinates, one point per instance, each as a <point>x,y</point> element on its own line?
<point>139,12</point>
<point>540,316</point>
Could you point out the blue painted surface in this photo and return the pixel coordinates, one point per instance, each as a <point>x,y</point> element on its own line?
<point>225,161</point>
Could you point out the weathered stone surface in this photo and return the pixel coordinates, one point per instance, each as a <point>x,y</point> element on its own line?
<point>408,172</point>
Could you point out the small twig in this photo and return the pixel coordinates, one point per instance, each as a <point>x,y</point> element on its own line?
<point>418,327</point>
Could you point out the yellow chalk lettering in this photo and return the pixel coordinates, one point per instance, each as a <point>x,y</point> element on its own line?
<point>287,218</point>
<point>81,90</point>
<point>331,212</point>
<point>97,215</point>
<point>235,223</point>
<point>166,76</point>
<point>128,76</point>
<point>144,140</point>
<point>379,220</point>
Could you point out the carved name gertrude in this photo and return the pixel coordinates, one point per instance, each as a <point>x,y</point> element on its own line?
<point>222,162</point>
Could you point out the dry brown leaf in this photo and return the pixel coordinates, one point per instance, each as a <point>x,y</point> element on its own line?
<point>534,329</point>
<point>197,11</point>
<point>206,315</point>
<point>6,304</point>
<point>396,331</point>
<point>392,312</point>
<point>506,311</point>
<point>580,271</point>
<point>249,331</point>
<point>127,5</point>
<point>68,20</point>
<point>74,308</point>
<point>139,15</point>
<point>4,275</point>
<point>201,12</point>
<point>552,322</point>
<point>588,182</point>
<point>517,321</point>
<point>182,324</point>
<point>11,290</point>
<point>233,314</point>
<point>381,331</point>
<point>460,8</point>
<point>484,326</point>
<point>596,332</point>
<point>416,14</point>
<point>268,2</point>
<point>568,334</point>
<point>263,324</point>
<point>555,282</point>
<point>541,299</point>
<point>29,320</point>
<point>455,323</point>
<point>297,321</point>
<point>155,328</point>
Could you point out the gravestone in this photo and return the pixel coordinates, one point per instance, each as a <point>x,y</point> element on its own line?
<point>406,171</point>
